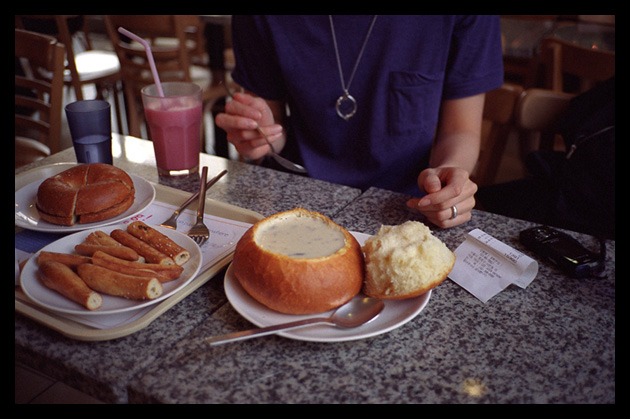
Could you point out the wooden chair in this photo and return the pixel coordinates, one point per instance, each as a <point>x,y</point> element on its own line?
<point>589,66</point>
<point>498,121</point>
<point>38,101</point>
<point>172,58</point>
<point>98,67</point>
<point>538,109</point>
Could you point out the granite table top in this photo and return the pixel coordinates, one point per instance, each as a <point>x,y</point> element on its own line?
<point>553,342</point>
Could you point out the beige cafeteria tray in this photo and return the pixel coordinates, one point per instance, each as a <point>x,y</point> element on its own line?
<point>69,328</point>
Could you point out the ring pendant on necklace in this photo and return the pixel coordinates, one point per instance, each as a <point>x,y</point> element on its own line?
<point>346,105</point>
<point>346,101</point>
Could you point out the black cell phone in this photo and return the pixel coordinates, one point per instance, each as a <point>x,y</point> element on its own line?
<point>564,251</point>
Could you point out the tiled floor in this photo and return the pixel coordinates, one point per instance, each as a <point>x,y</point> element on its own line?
<point>32,387</point>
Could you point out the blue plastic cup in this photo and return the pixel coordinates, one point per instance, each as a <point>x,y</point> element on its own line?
<point>90,127</point>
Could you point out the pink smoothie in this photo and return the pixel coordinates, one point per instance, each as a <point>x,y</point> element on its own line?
<point>176,136</point>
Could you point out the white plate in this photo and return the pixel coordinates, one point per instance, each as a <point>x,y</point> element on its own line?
<point>394,315</point>
<point>36,291</point>
<point>27,216</point>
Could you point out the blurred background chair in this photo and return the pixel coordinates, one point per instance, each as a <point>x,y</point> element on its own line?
<point>565,63</point>
<point>534,116</point>
<point>84,65</point>
<point>38,100</point>
<point>536,112</point>
<point>498,124</point>
<point>175,44</point>
<point>570,188</point>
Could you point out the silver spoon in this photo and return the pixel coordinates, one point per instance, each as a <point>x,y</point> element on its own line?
<point>287,164</point>
<point>358,311</point>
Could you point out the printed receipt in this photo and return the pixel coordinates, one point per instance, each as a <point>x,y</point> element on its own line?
<point>485,266</point>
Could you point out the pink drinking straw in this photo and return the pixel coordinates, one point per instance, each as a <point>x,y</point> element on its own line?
<point>147,48</point>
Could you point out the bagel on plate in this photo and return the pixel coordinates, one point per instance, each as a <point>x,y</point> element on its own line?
<point>299,262</point>
<point>85,194</point>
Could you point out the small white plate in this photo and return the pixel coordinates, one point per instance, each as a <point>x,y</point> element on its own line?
<point>27,216</point>
<point>394,315</point>
<point>52,300</point>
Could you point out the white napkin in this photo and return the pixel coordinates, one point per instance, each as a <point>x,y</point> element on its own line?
<point>485,266</point>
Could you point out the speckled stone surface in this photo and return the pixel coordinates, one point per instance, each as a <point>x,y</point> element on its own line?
<point>103,369</point>
<point>553,342</point>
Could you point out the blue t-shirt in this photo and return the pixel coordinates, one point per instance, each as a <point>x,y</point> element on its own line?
<point>410,64</point>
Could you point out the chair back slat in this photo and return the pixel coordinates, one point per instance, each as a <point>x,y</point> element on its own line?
<point>38,100</point>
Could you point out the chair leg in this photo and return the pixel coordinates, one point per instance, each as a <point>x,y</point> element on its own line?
<point>117,104</point>
<point>133,118</point>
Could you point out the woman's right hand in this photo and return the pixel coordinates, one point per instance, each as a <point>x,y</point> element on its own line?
<point>242,116</point>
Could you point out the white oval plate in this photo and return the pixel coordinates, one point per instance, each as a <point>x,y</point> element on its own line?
<point>394,315</point>
<point>52,300</point>
<point>27,216</point>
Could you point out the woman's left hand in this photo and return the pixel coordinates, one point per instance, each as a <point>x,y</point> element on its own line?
<point>445,188</point>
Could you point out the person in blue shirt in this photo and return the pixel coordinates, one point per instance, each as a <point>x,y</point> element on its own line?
<point>386,101</point>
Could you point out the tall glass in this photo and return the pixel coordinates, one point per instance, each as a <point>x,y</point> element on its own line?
<point>174,123</point>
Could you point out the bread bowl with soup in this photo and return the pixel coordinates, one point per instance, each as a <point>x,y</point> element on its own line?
<point>299,262</point>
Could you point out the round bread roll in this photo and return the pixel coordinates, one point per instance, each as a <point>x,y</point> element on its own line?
<point>85,194</point>
<point>405,261</point>
<point>299,262</point>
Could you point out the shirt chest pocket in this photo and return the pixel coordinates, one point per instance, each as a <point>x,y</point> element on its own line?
<point>413,103</point>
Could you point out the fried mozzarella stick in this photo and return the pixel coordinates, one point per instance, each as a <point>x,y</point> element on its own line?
<point>121,252</point>
<point>61,278</point>
<point>164,273</point>
<point>151,254</point>
<point>159,241</point>
<point>72,261</point>
<point>101,238</point>
<point>118,284</point>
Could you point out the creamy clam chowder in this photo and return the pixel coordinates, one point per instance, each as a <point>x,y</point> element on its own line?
<point>300,237</point>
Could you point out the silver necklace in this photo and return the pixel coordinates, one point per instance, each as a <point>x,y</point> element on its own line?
<point>346,100</point>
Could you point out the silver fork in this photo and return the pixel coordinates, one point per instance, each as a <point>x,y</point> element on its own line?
<point>172,220</point>
<point>287,164</point>
<point>199,232</point>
